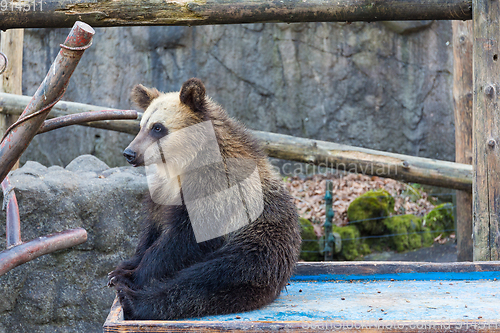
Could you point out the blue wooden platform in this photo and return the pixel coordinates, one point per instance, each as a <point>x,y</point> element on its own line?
<point>379,300</point>
<point>371,297</point>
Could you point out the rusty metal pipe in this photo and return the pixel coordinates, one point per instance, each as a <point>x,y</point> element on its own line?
<point>75,119</point>
<point>35,248</point>
<point>19,135</point>
<point>13,227</point>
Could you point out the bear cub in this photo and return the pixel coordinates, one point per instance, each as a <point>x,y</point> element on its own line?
<point>220,233</point>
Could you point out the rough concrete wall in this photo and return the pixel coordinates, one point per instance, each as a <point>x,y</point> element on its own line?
<point>66,291</point>
<point>385,86</point>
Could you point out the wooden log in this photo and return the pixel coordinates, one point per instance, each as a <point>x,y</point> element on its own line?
<point>462,97</point>
<point>486,130</point>
<point>314,152</point>
<point>64,13</point>
<point>367,161</point>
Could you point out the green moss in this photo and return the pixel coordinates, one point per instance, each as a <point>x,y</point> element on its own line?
<point>352,245</point>
<point>368,211</point>
<point>407,233</point>
<point>440,220</point>
<point>310,245</point>
<point>364,248</point>
<point>427,239</point>
<point>378,244</point>
<point>414,241</point>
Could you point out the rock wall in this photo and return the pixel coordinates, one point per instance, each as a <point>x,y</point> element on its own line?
<point>66,291</point>
<point>379,85</point>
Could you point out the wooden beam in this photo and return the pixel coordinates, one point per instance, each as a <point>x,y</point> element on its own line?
<point>314,152</point>
<point>462,97</point>
<point>11,44</point>
<point>486,130</point>
<point>107,13</point>
<point>363,269</point>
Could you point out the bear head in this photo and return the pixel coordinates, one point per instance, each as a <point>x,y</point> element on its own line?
<point>166,113</point>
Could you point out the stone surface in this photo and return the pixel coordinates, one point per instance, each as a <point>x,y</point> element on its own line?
<point>375,85</point>
<point>66,291</point>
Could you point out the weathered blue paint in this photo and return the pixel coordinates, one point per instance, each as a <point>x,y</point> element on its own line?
<point>365,300</point>
<point>427,276</point>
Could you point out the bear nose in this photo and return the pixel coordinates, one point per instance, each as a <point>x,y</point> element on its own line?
<point>130,155</point>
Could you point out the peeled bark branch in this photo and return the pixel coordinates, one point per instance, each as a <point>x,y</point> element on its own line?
<point>85,117</point>
<point>15,104</point>
<point>35,248</point>
<point>108,13</point>
<point>17,137</point>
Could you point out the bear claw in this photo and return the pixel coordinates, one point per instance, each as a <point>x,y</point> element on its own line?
<point>111,282</point>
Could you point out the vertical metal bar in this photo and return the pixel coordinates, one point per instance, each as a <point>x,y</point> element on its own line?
<point>329,246</point>
<point>13,227</point>
<point>19,135</point>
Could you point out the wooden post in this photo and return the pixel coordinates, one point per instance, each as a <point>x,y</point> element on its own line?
<point>11,44</point>
<point>486,130</point>
<point>462,97</point>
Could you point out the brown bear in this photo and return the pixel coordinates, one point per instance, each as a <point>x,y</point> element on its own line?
<point>221,234</point>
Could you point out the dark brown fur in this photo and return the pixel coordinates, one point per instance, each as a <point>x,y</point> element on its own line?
<point>171,276</point>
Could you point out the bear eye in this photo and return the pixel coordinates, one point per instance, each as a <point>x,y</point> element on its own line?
<point>158,130</point>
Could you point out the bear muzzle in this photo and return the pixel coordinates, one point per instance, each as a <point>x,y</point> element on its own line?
<point>130,156</point>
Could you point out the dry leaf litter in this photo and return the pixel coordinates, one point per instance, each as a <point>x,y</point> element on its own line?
<point>309,194</point>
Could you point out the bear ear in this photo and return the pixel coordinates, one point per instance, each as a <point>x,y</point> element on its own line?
<point>142,96</point>
<point>193,94</point>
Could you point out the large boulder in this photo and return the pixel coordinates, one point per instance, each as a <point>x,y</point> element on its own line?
<point>66,291</point>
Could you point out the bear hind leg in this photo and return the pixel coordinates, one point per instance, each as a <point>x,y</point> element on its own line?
<point>191,294</point>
